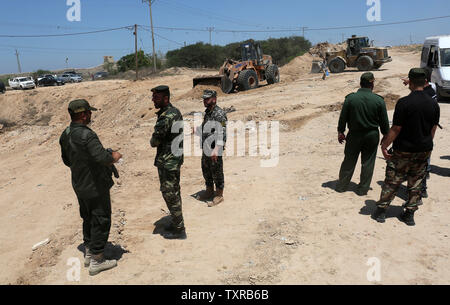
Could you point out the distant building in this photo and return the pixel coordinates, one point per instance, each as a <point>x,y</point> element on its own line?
<point>108,59</point>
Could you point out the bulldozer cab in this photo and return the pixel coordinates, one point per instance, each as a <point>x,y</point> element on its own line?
<point>251,52</point>
<point>355,44</point>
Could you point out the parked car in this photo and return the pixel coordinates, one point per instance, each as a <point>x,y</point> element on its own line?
<point>22,83</point>
<point>2,87</point>
<point>67,78</point>
<point>76,78</point>
<point>50,80</point>
<point>99,75</point>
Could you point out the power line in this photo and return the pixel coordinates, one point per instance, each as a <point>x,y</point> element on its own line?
<point>378,24</point>
<point>67,34</point>
<point>57,49</point>
<point>181,44</point>
<point>299,28</point>
<point>208,13</point>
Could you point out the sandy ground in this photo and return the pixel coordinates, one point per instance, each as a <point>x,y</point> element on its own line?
<point>279,225</point>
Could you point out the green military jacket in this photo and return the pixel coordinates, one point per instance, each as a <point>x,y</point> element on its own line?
<point>168,137</point>
<point>364,111</point>
<point>217,118</point>
<point>88,160</point>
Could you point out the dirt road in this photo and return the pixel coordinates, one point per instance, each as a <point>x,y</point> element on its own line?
<point>279,225</point>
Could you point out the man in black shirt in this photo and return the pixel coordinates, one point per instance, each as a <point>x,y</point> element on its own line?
<point>416,118</point>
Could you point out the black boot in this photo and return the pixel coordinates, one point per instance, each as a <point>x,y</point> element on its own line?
<point>424,193</point>
<point>408,217</point>
<point>380,215</point>
<point>176,234</point>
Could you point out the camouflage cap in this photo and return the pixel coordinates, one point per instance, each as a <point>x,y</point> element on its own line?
<point>417,73</point>
<point>368,77</point>
<point>209,93</point>
<point>161,89</point>
<point>80,105</point>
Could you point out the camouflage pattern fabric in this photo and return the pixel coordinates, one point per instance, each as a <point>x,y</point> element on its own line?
<point>168,131</point>
<point>170,189</point>
<point>404,166</point>
<point>212,119</point>
<point>213,172</point>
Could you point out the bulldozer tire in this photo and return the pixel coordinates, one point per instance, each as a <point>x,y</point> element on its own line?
<point>336,65</point>
<point>377,66</point>
<point>226,85</point>
<point>272,74</point>
<point>247,80</point>
<point>364,63</point>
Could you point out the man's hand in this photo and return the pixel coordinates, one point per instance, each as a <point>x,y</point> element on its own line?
<point>116,156</point>
<point>341,137</point>
<point>405,81</point>
<point>214,154</point>
<point>386,154</point>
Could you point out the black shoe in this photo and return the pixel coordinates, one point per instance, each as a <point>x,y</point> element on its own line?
<point>424,194</point>
<point>380,215</point>
<point>176,234</point>
<point>340,189</point>
<point>408,217</point>
<point>169,227</point>
<point>361,192</point>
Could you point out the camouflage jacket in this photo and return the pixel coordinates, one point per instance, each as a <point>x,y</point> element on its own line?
<point>88,160</point>
<point>168,132</point>
<point>212,119</point>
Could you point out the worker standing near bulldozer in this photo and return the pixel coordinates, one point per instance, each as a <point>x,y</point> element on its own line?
<point>214,137</point>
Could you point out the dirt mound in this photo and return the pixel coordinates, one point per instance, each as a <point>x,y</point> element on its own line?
<point>321,48</point>
<point>295,68</point>
<point>197,92</point>
<point>302,64</point>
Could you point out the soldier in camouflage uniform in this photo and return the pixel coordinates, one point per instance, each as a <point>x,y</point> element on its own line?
<point>214,137</point>
<point>168,138</point>
<point>90,165</point>
<point>416,118</point>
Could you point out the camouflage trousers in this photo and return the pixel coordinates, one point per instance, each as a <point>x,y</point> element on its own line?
<point>404,166</point>
<point>213,172</point>
<point>170,189</point>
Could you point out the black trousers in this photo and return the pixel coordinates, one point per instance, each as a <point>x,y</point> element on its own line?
<point>213,172</point>
<point>96,215</point>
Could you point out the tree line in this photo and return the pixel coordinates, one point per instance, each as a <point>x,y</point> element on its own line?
<point>201,55</point>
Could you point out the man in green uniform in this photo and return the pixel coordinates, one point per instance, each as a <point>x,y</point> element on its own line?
<point>364,112</point>
<point>415,121</point>
<point>214,137</point>
<point>168,138</point>
<point>90,165</point>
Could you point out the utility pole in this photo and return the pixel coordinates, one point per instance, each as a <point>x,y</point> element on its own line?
<point>343,37</point>
<point>135,50</point>
<point>153,34</point>
<point>210,29</point>
<point>303,29</point>
<point>18,61</point>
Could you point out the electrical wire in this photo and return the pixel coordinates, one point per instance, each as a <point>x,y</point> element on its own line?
<point>67,34</point>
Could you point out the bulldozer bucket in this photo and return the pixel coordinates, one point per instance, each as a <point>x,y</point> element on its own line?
<point>208,80</point>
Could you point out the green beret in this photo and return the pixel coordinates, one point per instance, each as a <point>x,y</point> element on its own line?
<point>417,73</point>
<point>161,89</point>
<point>368,77</point>
<point>209,93</point>
<point>80,105</point>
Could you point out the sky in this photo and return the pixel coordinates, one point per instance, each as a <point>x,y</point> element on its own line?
<point>189,20</point>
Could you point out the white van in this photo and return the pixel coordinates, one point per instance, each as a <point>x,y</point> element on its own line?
<point>436,55</point>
